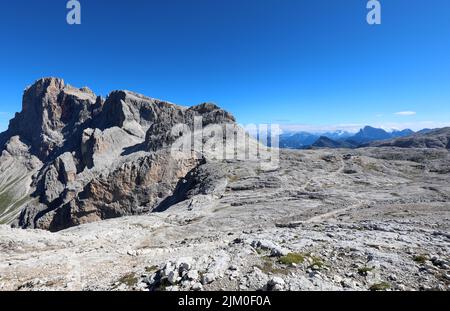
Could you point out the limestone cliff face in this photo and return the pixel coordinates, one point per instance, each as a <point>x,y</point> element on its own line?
<point>51,115</point>
<point>79,158</point>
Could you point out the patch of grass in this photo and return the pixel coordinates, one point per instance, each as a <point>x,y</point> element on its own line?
<point>129,279</point>
<point>364,270</point>
<point>380,286</point>
<point>10,183</point>
<point>292,258</point>
<point>5,201</point>
<point>259,251</point>
<point>420,259</point>
<point>9,216</point>
<point>12,209</point>
<point>269,267</point>
<point>297,258</point>
<point>151,269</point>
<point>5,198</point>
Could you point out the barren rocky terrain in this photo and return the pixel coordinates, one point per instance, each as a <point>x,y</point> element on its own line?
<point>127,215</point>
<point>324,220</point>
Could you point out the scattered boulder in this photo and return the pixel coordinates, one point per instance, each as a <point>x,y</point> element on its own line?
<point>276,284</point>
<point>275,250</point>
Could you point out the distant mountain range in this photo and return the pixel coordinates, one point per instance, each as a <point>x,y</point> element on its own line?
<point>343,139</point>
<point>369,134</point>
<point>302,140</point>
<point>439,138</point>
<point>325,142</point>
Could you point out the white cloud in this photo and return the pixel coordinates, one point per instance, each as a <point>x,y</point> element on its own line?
<point>406,113</point>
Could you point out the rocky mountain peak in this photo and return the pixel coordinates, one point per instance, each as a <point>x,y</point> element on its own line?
<point>51,112</point>
<point>83,159</point>
<point>134,112</point>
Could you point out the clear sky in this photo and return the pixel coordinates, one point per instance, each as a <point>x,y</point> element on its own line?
<point>296,62</point>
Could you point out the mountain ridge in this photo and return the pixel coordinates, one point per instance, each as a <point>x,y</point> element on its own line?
<point>71,157</point>
<point>340,139</point>
<point>438,138</point>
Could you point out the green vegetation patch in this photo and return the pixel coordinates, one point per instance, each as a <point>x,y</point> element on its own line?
<point>420,259</point>
<point>129,279</point>
<point>380,286</point>
<point>151,269</point>
<point>269,266</point>
<point>5,201</point>
<point>292,258</point>
<point>6,217</point>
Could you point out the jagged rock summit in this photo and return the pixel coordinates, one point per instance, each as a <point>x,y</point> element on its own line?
<point>71,157</point>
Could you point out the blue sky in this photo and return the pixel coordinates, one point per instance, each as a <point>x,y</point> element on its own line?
<point>302,63</point>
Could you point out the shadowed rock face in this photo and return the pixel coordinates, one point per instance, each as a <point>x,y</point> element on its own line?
<point>82,159</point>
